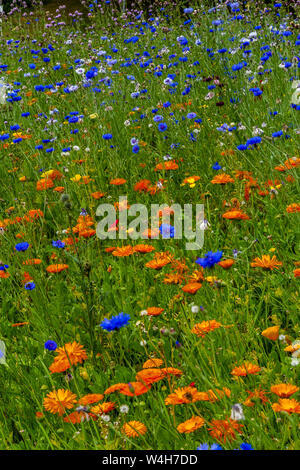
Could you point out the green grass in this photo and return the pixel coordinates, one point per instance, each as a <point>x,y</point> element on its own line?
<point>70,305</point>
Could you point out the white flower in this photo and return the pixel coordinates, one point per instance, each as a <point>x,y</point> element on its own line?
<point>143,312</point>
<point>76,148</point>
<point>124,409</point>
<point>194,308</point>
<point>143,342</point>
<point>295,362</point>
<point>105,418</point>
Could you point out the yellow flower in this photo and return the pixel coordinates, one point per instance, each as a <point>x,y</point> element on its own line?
<point>76,178</point>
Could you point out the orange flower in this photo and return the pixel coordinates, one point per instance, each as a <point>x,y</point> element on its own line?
<point>142,185</point>
<point>97,195</point>
<point>191,425</point>
<point>245,369</point>
<point>192,287</point>
<point>118,181</point>
<point>271,333</point>
<point>222,178</point>
<point>4,275</point>
<point>226,263</point>
<point>266,262</point>
<point>168,165</point>
<point>59,401</point>
<point>197,275</point>
<point>160,260</point>
<point>90,398</point>
<point>143,248</point>
<point>103,408</point>
<point>75,417</point>
<point>293,208</point>
<point>32,261</point>
<point>172,371</point>
<point>131,389</point>
<point>149,376</point>
<point>56,268</point>
<point>68,355</point>
<point>287,405</point>
<point>201,329</point>
<point>173,278</point>
<point>154,311</point>
<point>235,214</point>
<point>297,272</point>
<point>153,362</point>
<point>215,395</point>
<point>256,394</point>
<point>123,251</point>
<point>39,415</point>
<point>185,395</point>
<point>59,189</point>
<point>224,429</point>
<point>284,390</point>
<point>44,184</point>
<point>134,429</point>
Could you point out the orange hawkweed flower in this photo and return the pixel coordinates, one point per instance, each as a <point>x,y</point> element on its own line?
<point>191,425</point>
<point>284,390</point>
<point>266,262</point>
<point>118,181</point>
<point>245,369</point>
<point>271,333</point>
<point>59,401</point>
<point>103,408</point>
<point>154,311</point>
<point>56,268</point>
<point>235,214</point>
<point>134,429</point>
<point>192,287</point>
<point>201,329</point>
<point>123,251</point>
<point>287,405</point>
<point>226,263</point>
<point>90,398</point>
<point>223,429</point>
<point>222,178</point>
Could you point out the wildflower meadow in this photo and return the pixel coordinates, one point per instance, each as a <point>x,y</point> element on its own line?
<point>149,225</point>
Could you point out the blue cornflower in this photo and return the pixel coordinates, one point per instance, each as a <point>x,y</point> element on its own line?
<point>107,136</point>
<point>23,246</point>
<point>50,345</point>
<point>116,322</point>
<point>162,126</point>
<point>216,166</point>
<point>58,244</point>
<point>205,446</point>
<point>167,231</point>
<point>210,259</point>
<point>29,285</point>
<point>245,446</point>
<point>277,134</point>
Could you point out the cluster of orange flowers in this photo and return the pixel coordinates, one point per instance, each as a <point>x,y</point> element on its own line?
<point>30,216</point>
